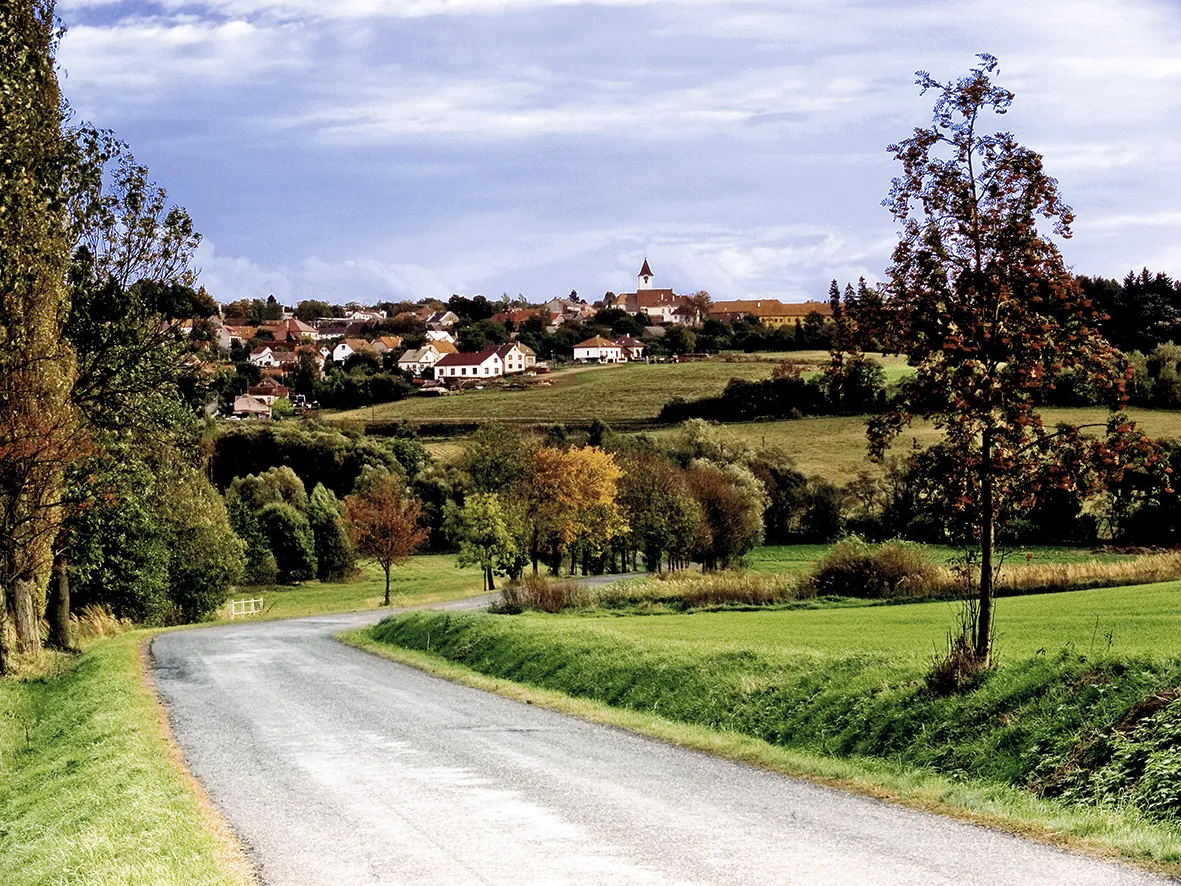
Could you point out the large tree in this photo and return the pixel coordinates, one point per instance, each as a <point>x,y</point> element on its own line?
<point>983,306</point>
<point>38,431</point>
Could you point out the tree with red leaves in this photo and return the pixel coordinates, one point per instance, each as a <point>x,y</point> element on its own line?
<point>382,522</point>
<point>986,311</point>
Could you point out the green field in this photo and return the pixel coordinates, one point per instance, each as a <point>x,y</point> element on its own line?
<point>1142,621</point>
<point>427,578</point>
<point>800,558</point>
<point>627,392</point>
<point>834,447</point>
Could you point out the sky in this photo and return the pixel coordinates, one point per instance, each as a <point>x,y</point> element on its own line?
<point>366,150</point>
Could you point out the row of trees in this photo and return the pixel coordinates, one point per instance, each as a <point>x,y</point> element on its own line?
<point>95,436</point>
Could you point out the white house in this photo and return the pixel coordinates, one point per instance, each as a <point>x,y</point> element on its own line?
<point>598,350</point>
<point>348,347</point>
<point>482,364</point>
<point>516,357</point>
<point>440,335</point>
<point>263,356</point>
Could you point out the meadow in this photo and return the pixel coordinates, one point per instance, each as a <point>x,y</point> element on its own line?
<point>631,392</point>
<point>796,559</point>
<point>426,578</point>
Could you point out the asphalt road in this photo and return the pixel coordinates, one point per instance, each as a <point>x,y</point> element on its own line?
<point>337,767</point>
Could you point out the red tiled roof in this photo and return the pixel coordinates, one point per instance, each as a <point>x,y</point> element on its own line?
<point>646,271</point>
<point>468,359</point>
<point>771,307</point>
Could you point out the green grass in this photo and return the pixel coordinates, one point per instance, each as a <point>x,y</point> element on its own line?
<point>427,578</point>
<point>834,448</point>
<point>775,559</point>
<point>628,392</point>
<point>88,794</point>
<point>1057,719</point>
<point>1143,620</point>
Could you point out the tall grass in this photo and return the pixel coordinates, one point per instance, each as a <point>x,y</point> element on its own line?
<point>1044,578</point>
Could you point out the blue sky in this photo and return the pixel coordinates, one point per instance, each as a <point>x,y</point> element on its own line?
<point>388,149</point>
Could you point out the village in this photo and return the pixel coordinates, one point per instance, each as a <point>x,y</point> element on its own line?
<point>429,346</point>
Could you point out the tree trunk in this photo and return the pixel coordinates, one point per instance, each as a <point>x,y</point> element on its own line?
<point>387,587</point>
<point>5,651</point>
<point>491,580</point>
<point>61,632</point>
<point>24,616</point>
<point>987,527</point>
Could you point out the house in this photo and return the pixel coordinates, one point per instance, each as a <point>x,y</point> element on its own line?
<point>263,356</point>
<point>385,343</point>
<point>769,311</point>
<point>662,305</point>
<point>241,334</point>
<point>330,329</point>
<point>516,357</point>
<point>419,361</point>
<point>597,350</point>
<point>247,406</point>
<point>268,391</point>
<point>484,364</point>
<point>563,309</point>
<point>367,315</point>
<point>440,335</point>
<point>630,348</point>
<point>517,317</point>
<point>442,320</point>
<point>349,346</point>
<point>442,345</point>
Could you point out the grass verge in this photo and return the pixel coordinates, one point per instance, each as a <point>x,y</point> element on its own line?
<point>855,721</point>
<point>92,789</point>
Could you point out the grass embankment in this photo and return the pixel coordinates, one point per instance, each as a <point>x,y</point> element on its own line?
<point>427,578</point>
<point>90,792</point>
<point>1076,734</point>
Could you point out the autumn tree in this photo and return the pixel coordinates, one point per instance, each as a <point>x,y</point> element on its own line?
<point>982,305</point>
<point>382,522</point>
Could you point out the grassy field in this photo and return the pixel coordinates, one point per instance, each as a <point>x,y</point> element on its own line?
<point>834,448</point>
<point>628,392</point>
<point>427,578</point>
<point>1141,621</point>
<point>88,792</point>
<point>800,558</point>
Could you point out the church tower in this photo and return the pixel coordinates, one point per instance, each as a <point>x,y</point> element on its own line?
<point>644,277</point>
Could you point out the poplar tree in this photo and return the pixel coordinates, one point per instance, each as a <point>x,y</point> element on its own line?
<point>39,435</point>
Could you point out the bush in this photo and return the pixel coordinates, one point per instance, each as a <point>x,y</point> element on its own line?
<point>856,569</point>
<point>539,593</point>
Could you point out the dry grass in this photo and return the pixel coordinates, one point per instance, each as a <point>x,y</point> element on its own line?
<point>693,590</point>
<point>1041,578</point>
<point>542,594</point>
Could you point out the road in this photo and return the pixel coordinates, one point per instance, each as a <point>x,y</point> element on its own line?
<point>337,767</point>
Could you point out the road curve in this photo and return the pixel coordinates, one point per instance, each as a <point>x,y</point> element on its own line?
<point>337,768</point>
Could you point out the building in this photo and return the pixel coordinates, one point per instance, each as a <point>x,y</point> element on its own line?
<point>440,335</point>
<point>263,356</point>
<point>349,346</point>
<point>385,343</point>
<point>662,305</point>
<point>630,348</point>
<point>769,311</point>
<point>598,350</point>
<point>516,357</point>
<point>485,364</point>
<point>268,391</point>
<point>246,406</point>
<point>442,320</point>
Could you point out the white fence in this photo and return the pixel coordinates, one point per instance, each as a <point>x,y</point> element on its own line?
<point>242,608</point>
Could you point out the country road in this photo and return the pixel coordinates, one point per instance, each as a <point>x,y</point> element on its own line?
<point>339,768</point>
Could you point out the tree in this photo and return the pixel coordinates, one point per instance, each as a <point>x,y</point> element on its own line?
<point>39,435</point>
<point>700,302</point>
<point>487,537</point>
<point>985,310</point>
<point>334,553</point>
<point>382,522</point>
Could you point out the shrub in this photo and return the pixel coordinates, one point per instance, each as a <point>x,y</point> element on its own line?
<point>539,593</point>
<point>856,569</point>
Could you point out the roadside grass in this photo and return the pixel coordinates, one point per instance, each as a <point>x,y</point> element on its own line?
<point>1076,727</point>
<point>627,392</point>
<point>1116,832</point>
<point>426,578</point>
<point>90,792</point>
<point>833,448</point>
